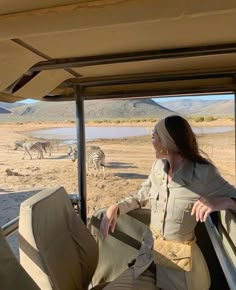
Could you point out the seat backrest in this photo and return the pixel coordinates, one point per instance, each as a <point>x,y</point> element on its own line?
<point>12,274</point>
<point>56,248</point>
<point>120,247</point>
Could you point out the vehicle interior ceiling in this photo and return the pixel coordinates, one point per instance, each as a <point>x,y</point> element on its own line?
<point>116,49</point>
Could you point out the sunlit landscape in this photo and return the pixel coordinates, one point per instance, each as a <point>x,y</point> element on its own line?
<point>128,159</point>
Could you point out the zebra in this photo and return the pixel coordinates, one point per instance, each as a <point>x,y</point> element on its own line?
<point>30,146</point>
<point>47,145</point>
<point>18,144</point>
<point>71,149</point>
<point>95,156</point>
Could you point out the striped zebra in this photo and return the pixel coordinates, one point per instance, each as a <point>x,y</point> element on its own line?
<point>46,145</point>
<point>19,144</point>
<point>94,156</point>
<point>30,146</point>
<point>71,149</point>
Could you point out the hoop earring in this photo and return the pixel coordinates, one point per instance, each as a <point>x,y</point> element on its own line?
<point>164,151</point>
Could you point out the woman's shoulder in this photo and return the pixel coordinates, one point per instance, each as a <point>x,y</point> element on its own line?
<point>204,170</point>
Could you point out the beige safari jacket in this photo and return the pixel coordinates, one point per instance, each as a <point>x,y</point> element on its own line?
<point>171,206</point>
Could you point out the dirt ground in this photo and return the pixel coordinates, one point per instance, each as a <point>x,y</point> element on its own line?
<point>128,162</point>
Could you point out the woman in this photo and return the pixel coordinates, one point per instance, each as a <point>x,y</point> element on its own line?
<point>182,183</point>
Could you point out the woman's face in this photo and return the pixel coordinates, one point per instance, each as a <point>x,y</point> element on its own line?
<point>159,148</point>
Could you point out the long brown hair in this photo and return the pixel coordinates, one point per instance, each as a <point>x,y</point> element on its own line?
<point>185,139</point>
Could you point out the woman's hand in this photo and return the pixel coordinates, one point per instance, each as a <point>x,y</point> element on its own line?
<point>204,206</point>
<point>109,220</point>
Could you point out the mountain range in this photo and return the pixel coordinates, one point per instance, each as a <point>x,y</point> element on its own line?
<point>115,109</point>
<point>190,107</point>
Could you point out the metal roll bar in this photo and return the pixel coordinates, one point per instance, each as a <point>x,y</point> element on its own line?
<point>11,227</point>
<point>226,264</point>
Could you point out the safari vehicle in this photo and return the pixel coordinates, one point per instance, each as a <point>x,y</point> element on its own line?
<point>58,50</point>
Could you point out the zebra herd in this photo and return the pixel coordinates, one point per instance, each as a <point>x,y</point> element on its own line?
<point>94,155</point>
<point>39,147</point>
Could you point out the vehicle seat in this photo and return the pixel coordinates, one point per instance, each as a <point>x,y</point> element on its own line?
<point>12,274</point>
<point>121,247</point>
<point>56,248</point>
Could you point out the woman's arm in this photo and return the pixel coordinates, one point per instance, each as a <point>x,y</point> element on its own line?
<point>136,200</point>
<point>140,198</point>
<point>204,206</point>
<point>219,194</point>
<point>109,220</point>
<point>127,204</point>
<point>132,202</point>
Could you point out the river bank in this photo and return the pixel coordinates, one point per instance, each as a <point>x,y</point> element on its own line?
<point>31,126</point>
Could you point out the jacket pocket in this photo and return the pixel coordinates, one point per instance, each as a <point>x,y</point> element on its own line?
<point>182,208</point>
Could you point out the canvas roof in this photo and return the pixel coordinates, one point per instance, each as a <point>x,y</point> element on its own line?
<point>116,48</point>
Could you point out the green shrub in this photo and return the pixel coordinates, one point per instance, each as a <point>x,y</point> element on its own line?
<point>198,119</point>
<point>209,118</point>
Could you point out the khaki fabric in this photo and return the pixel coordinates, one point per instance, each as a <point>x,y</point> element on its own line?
<point>171,206</point>
<point>100,286</point>
<point>110,265</point>
<point>56,248</point>
<point>12,274</point>
<point>120,247</point>
<point>127,281</point>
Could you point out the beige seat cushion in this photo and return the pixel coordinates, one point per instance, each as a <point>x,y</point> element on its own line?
<point>228,232</point>
<point>56,248</point>
<point>12,274</point>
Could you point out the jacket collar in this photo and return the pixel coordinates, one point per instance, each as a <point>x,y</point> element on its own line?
<point>181,176</point>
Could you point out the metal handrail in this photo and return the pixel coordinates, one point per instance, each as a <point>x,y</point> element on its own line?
<point>11,227</point>
<point>226,264</point>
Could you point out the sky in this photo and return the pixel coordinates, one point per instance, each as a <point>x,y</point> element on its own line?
<point>160,100</point>
<point>28,101</point>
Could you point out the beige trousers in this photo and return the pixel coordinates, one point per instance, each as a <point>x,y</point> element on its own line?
<point>126,281</point>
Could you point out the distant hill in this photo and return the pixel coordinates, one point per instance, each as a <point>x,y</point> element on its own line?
<point>114,109</point>
<point>221,109</point>
<point>45,111</point>
<point>188,107</point>
<point>4,111</point>
<point>6,108</point>
<point>94,110</point>
<point>10,106</point>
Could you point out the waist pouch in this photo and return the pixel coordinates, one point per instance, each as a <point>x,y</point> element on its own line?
<point>172,254</point>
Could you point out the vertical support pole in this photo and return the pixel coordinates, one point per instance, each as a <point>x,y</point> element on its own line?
<point>234,137</point>
<point>80,133</point>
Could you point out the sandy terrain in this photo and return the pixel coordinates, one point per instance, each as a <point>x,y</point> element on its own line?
<point>128,163</point>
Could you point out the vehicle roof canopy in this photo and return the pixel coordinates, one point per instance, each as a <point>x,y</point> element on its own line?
<point>116,48</point>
